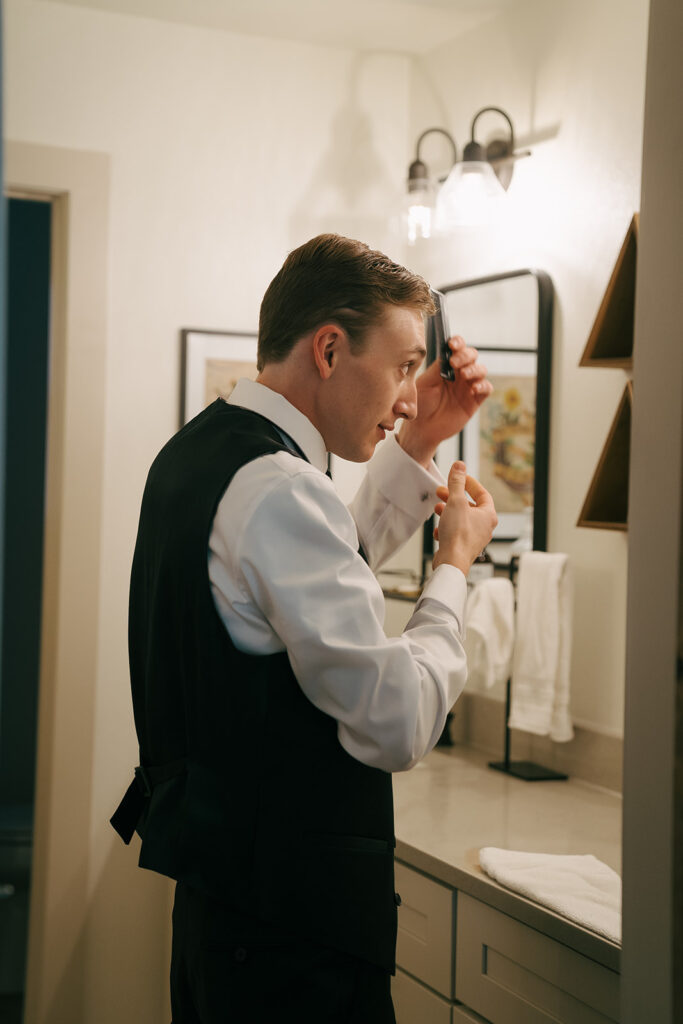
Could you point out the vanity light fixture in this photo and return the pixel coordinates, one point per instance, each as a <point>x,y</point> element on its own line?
<point>468,194</point>
<point>420,200</point>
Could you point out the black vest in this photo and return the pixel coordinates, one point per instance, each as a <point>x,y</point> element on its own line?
<point>244,790</point>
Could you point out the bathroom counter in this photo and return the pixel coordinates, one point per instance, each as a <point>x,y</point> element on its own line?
<point>451,804</point>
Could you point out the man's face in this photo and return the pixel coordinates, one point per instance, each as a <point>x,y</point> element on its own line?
<point>374,389</point>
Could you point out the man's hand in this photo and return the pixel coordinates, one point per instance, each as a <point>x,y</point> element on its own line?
<point>443,406</point>
<point>464,529</point>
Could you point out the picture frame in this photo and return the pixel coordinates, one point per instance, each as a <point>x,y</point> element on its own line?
<point>498,443</point>
<point>211,362</point>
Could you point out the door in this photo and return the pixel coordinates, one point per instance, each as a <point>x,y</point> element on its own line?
<point>25,421</point>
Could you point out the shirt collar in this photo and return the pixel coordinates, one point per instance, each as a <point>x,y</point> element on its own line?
<point>275,407</point>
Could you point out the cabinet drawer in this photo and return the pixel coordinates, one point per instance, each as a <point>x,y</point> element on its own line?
<point>509,972</point>
<point>461,1015</point>
<point>424,946</point>
<point>413,1002</point>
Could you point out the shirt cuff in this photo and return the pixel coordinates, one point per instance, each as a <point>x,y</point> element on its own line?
<point>448,586</point>
<point>403,481</point>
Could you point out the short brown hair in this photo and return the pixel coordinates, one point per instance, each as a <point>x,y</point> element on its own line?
<point>332,278</point>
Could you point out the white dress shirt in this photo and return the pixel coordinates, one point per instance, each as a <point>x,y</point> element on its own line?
<point>286,575</point>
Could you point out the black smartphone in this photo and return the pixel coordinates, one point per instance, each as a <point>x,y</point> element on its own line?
<point>438,334</point>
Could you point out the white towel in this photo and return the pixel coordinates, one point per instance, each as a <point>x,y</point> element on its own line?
<point>579,887</point>
<point>489,631</point>
<point>541,659</point>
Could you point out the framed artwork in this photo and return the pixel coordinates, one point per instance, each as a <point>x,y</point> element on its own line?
<point>498,445</point>
<point>211,364</point>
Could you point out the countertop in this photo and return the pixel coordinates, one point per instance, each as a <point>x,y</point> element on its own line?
<point>452,804</point>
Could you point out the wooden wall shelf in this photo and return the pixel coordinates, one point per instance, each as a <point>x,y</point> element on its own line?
<point>606,504</point>
<point>610,342</point>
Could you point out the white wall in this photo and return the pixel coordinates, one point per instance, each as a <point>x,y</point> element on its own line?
<point>225,152</point>
<point>571,74</point>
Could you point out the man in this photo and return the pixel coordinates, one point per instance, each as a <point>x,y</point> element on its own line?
<point>270,706</point>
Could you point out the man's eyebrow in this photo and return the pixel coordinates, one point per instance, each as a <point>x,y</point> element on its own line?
<point>418,350</point>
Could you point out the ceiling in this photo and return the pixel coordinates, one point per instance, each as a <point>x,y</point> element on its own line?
<point>400,26</point>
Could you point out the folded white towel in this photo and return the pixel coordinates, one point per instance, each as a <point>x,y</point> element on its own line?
<point>542,655</point>
<point>579,887</point>
<point>489,631</point>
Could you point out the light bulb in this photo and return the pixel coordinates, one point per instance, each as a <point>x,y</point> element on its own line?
<point>418,222</point>
<point>418,212</point>
<point>469,196</point>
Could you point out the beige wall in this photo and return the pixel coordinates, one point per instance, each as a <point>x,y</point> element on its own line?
<point>571,74</point>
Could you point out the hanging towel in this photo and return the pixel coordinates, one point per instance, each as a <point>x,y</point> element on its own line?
<point>579,887</point>
<point>489,631</point>
<point>541,659</point>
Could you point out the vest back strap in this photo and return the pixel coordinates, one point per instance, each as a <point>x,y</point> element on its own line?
<point>127,815</point>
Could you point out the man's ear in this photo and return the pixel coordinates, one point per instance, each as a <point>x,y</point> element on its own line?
<point>327,341</point>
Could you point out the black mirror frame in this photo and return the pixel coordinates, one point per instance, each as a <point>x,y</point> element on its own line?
<point>544,337</point>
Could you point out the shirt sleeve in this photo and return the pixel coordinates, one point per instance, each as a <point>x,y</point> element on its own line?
<point>395,498</point>
<point>296,560</point>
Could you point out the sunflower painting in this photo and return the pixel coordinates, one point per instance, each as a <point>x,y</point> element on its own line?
<point>507,429</point>
<point>222,375</point>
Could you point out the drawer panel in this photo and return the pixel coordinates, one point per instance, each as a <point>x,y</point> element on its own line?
<point>509,972</point>
<point>461,1015</point>
<point>424,946</point>
<point>414,1003</point>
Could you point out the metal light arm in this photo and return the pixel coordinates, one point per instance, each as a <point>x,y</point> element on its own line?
<point>417,172</point>
<point>499,152</point>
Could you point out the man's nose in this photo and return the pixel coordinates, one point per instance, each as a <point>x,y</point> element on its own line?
<point>406,403</point>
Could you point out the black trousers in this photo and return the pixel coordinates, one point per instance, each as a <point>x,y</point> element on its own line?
<point>230,969</point>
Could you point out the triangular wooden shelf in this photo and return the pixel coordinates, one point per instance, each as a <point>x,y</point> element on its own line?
<point>606,504</point>
<point>610,342</point>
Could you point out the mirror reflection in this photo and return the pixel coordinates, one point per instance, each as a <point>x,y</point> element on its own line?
<point>508,319</point>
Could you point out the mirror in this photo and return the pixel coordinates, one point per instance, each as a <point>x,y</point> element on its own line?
<point>508,318</point>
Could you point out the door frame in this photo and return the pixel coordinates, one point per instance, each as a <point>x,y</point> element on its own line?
<point>652,943</point>
<point>77,184</point>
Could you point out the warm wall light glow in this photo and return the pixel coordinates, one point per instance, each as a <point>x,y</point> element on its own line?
<point>470,195</point>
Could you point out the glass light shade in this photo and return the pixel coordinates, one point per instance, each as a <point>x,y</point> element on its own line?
<point>419,207</point>
<point>469,195</point>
